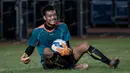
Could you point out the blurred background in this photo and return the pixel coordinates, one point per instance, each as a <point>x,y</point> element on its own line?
<point>83,17</point>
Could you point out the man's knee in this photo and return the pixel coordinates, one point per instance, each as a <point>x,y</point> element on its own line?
<point>83,47</point>
<point>47,53</point>
<point>80,49</point>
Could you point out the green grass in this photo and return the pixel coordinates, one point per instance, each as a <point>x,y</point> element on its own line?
<point>10,57</point>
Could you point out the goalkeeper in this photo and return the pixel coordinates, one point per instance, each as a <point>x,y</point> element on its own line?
<point>44,35</point>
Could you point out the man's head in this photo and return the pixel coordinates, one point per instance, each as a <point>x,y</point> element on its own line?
<point>49,15</point>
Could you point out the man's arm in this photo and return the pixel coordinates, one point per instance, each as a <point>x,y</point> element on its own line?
<point>25,57</point>
<point>29,50</point>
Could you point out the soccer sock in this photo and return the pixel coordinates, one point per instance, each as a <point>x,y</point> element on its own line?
<point>96,54</point>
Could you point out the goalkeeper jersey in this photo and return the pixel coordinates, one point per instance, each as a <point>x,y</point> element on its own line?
<point>43,38</point>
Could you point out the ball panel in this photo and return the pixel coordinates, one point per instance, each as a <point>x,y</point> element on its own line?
<point>57,44</point>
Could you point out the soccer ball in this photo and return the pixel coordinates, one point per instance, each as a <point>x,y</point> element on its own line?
<point>57,44</point>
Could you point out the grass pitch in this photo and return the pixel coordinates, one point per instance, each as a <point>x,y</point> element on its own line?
<point>10,53</point>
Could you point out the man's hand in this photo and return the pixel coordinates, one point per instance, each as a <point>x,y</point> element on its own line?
<point>25,59</point>
<point>64,51</point>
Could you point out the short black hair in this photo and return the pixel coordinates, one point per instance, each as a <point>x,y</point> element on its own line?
<point>47,8</point>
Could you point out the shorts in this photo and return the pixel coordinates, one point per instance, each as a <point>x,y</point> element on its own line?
<point>60,62</point>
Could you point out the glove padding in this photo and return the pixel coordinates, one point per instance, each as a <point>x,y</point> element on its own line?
<point>63,51</point>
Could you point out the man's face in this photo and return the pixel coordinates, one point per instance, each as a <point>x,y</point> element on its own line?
<point>50,17</point>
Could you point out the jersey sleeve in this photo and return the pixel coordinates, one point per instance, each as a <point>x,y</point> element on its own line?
<point>67,35</point>
<point>33,39</point>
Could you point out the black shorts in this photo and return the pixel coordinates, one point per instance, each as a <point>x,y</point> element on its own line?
<point>60,62</point>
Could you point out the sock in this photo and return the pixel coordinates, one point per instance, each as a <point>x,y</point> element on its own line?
<point>96,54</point>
